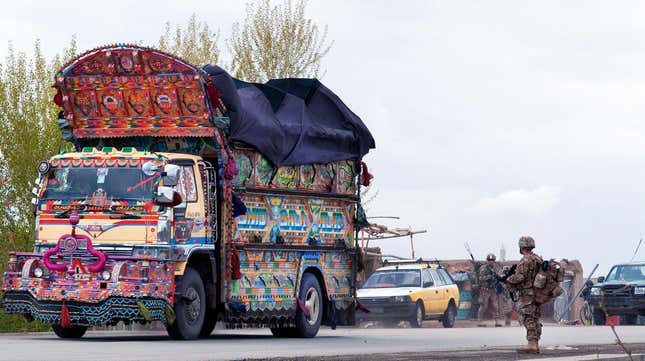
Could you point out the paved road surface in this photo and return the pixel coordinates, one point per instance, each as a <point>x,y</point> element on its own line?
<point>258,343</point>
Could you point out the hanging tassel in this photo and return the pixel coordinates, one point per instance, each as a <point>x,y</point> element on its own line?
<point>366,177</point>
<point>332,313</point>
<point>145,312</point>
<point>170,314</point>
<point>230,169</point>
<point>303,308</point>
<point>65,321</point>
<point>235,264</point>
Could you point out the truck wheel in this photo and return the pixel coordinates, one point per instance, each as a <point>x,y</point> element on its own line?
<point>210,320</point>
<point>71,332</point>
<point>599,317</point>
<point>419,314</point>
<point>448,319</point>
<point>310,294</point>
<point>190,307</point>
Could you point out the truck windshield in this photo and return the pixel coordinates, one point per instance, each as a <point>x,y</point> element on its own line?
<point>394,278</point>
<point>110,183</point>
<point>628,273</point>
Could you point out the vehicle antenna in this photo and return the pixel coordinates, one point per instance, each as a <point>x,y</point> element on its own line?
<point>637,248</point>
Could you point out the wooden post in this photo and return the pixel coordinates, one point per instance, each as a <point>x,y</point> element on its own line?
<point>411,241</point>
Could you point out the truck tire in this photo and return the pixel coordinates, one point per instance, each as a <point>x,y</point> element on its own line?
<point>419,315</point>
<point>448,319</point>
<point>190,307</point>
<point>210,320</point>
<point>310,294</point>
<point>630,319</point>
<point>71,332</point>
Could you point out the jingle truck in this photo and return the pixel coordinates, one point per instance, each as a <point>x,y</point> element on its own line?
<point>167,210</point>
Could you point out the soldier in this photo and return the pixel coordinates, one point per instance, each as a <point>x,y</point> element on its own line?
<point>505,300</point>
<point>487,291</point>
<point>522,281</point>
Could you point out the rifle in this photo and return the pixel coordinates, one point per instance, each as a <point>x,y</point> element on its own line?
<point>501,280</point>
<point>474,283</point>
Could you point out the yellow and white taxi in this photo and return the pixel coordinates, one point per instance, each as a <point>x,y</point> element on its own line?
<point>410,291</point>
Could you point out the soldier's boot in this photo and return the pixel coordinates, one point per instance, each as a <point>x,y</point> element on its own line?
<point>497,324</point>
<point>532,347</point>
<point>507,321</point>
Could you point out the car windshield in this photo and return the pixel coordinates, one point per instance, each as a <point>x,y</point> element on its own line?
<point>116,183</point>
<point>394,278</point>
<point>627,273</point>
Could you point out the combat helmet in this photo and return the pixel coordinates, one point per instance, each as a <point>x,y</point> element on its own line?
<point>490,257</point>
<point>526,242</point>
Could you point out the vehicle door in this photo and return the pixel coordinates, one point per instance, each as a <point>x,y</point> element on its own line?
<point>427,291</point>
<point>450,290</point>
<point>439,293</point>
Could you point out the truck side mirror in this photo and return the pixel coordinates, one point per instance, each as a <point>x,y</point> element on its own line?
<point>428,284</point>
<point>171,174</point>
<point>601,279</point>
<point>167,197</point>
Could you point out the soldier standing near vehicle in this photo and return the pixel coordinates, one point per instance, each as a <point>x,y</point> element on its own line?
<point>505,300</point>
<point>522,281</point>
<point>488,297</point>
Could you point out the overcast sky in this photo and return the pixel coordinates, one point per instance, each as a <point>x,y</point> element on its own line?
<point>492,119</point>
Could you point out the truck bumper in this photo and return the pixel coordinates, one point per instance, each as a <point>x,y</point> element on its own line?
<point>107,312</point>
<point>627,305</point>
<point>137,290</point>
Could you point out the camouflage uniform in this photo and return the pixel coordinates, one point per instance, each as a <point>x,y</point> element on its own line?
<point>488,298</point>
<point>506,305</point>
<point>522,281</point>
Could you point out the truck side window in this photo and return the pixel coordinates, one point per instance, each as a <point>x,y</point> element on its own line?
<point>445,276</point>
<point>186,186</point>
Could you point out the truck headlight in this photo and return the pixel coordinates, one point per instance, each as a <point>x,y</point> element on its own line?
<point>105,275</point>
<point>38,272</point>
<point>639,290</point>
<point>595,291</point>
<point>401,298</point>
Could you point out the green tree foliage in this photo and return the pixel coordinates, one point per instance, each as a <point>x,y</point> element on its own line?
<point>197,43</point>
<point>277,42</point>
<point>28,134</point>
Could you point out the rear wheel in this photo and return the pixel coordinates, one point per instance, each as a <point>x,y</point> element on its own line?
<point>311,295</point>
<point>630,319</point>
<point>448,319</point>
<point>190,307</point>
<point>69,332</point>
<point>419,315</point>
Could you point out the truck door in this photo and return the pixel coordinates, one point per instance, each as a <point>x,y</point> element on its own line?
<point>439,293</point>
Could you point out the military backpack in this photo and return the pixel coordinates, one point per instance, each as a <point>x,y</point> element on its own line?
<point>546,284</point>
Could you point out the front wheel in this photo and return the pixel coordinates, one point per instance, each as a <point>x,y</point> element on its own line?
<point>311,296</point>
<point>448,319</point>
<point>419,315</point>
<point>70,332</point>
<point>190,307</point>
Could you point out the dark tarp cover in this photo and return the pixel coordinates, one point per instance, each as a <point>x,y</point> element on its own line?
<point>292,121</point>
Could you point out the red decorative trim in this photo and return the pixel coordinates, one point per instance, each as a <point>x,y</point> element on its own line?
<point>144,132</point>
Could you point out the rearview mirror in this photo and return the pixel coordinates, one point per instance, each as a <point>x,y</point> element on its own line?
<point>171,174</point>
<point>167,197</point>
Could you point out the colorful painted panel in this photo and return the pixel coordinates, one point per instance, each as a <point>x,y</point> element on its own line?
<point>273,219</point>
<point>123,91</point>
<point>270,277</point>
<point>255,171</point>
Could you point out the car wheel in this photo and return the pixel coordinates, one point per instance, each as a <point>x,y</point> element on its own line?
<point>419,316</point>
<point>69,332</point>
<point>599,317</point>
<point>190,307</point>
<point>311,296</point>
<point>448,319</point>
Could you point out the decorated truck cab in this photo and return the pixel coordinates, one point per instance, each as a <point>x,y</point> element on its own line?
<point>162,214</point>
